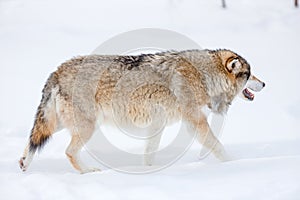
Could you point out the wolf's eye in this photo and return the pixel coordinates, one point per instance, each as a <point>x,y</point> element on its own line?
<point>248,75</point>
<point>243,75</point>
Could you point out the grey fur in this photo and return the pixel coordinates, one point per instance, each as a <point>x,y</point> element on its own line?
<point>130,88</point>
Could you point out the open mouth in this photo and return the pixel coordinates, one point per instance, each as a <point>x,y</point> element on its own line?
<point>248,95</point>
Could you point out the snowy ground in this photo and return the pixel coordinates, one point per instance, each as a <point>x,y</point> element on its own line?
<point>263,136</point>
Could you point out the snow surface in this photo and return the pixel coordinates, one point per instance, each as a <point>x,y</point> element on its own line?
<point>263,136</point>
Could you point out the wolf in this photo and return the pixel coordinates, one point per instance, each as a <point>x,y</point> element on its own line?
<point>130,87</point>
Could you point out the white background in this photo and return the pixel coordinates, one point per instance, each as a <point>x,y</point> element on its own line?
<point>263,135</point>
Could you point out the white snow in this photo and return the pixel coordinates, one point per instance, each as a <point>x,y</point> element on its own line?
<point>263,136</point>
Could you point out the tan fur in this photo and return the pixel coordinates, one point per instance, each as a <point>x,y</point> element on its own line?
<point>135,90</point>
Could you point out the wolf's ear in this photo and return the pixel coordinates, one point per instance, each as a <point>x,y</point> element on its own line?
<point>232,64</point>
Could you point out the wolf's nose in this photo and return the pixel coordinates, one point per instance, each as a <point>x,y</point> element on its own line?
<point>263,84</point>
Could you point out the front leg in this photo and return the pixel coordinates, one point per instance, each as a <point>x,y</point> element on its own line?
<point>206,137</point>
<point>152,145</point>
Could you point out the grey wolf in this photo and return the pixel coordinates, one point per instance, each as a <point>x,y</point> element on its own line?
<point>180,82</point>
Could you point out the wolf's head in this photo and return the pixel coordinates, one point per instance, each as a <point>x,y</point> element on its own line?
<point>240,72</point>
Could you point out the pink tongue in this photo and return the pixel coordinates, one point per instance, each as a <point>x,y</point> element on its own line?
<point>248,94</point>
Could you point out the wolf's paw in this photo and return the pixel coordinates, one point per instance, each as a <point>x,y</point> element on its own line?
<point>22,164</point>
<point>148,160</point>
<point>148,163</point>
<point>226,158</point>
<point>89,170</point>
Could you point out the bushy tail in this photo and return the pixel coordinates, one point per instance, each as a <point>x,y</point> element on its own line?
<point>45,119</point>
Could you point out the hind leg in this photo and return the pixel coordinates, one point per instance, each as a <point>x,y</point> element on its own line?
<point>26,159</point>
<point>73,151</point>
<point>44,126</point>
